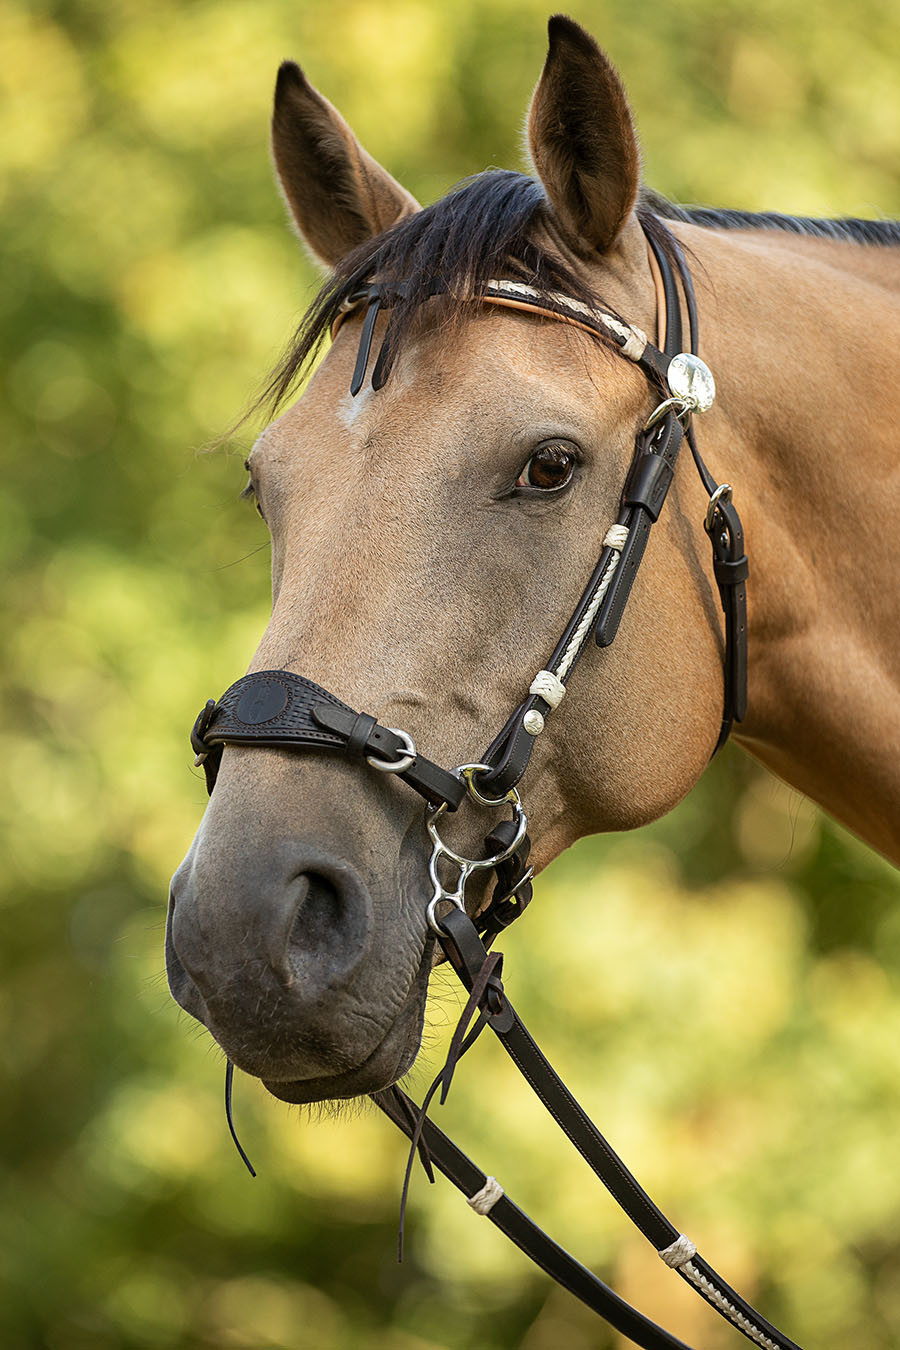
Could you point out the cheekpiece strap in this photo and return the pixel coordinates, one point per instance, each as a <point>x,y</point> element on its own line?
<point>686,385</point>
<point>645,491</point>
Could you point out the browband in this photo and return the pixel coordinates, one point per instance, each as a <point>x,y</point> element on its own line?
<point>631,341</point>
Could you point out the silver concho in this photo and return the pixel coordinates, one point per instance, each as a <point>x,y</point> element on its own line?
<point>691,379</point>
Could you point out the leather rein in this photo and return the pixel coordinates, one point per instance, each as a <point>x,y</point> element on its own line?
<point>283,710</point>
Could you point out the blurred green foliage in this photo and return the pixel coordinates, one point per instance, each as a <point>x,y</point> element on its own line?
<point>731,1007</point>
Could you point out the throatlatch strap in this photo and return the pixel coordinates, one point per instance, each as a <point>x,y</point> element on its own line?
<point>731,568</point>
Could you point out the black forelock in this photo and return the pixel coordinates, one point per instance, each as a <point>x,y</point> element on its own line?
<point>486,227</point>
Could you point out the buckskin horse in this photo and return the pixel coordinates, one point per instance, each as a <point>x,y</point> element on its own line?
<point>472,475</point>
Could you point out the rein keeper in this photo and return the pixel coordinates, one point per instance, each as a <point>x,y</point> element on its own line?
<point>483,1201</point>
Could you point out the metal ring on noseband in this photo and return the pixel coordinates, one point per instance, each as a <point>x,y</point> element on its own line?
<point>466,866</point>
<point>398,765</point>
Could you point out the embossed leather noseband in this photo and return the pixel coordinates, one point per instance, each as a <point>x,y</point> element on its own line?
<point>284,710</point>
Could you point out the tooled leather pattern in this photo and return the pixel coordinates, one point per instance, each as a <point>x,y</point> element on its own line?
<point>291,724</point>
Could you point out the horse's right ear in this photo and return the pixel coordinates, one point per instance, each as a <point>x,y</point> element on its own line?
<point>582,140</point>
<point>337,194</point>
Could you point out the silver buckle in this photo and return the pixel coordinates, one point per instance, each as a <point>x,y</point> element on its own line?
<point>682,411</point>
<point>401,764</point>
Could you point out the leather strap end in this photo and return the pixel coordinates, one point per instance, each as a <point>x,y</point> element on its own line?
<point>613,606</point>
<point>198,731</point>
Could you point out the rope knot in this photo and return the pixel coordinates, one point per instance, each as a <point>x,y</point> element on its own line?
<point>679,1252</point>
<point>483,1201</point>
<point>616,537</point>
<point>549,687</point>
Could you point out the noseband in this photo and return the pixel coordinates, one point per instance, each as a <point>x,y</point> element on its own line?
<point>283,710</point>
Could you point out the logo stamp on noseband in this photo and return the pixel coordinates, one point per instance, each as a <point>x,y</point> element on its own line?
<point>262,702</point>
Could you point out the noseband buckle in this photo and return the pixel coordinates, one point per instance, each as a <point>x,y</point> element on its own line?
<point>403,762</point>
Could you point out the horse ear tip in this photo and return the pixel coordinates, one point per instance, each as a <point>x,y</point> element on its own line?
<point>290,77</point>
<point>560,29</point>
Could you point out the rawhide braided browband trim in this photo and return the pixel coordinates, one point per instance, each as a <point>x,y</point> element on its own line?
<point>632,341</point>
<point>515,294</point>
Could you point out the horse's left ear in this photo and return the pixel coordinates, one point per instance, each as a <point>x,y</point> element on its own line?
<point>582,139</point>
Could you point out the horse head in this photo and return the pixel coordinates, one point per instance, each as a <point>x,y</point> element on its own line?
<point>431,532</point>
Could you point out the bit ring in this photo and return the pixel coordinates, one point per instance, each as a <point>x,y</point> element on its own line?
<point>454,893</point>
<point>468,771</point>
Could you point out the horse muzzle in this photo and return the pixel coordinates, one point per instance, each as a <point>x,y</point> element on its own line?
<point>275,952</point>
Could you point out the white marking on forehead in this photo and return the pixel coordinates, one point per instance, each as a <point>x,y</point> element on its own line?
<point>351,407</point>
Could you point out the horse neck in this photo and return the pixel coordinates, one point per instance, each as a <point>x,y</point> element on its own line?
<point>802,334</point>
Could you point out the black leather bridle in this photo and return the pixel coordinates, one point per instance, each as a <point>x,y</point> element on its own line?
<point>284,710</point>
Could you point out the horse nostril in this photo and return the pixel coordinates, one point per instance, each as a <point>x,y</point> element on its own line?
<point>317,922</point>
<point>294,922</point>
<point>331,926</point>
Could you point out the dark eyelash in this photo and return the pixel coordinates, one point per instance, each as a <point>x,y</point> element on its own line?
<point>249,491</point>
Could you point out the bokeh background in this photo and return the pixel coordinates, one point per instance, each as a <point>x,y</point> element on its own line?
<point>722,989</point>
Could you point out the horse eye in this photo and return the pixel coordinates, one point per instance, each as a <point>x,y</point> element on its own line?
<point>549,469</point>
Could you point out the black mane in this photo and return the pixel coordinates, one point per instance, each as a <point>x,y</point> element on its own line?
<point>848,229</point>
<point>486,227</point>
